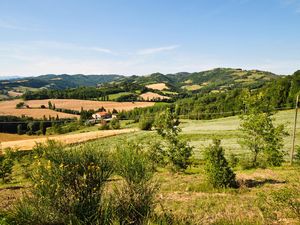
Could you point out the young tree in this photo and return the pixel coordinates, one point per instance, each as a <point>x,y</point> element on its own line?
<point>178,152</point>
<point>19,129</point>
<point>260,136</point>
<point>217,169</point>
<point>43,127</point>
<point>49,104</point>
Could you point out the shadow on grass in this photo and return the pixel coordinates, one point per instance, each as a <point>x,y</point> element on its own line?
<point>250,183</point>
<point>11,188</point>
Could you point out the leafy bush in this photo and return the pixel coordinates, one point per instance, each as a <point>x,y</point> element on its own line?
<point>20,105</point>
<point>218,172</point>
<point>233,160</point>
<point>6,165</point>
<point>68,187</point>
<point>146,122</point>
<point>115,124</point>
<point>135,197</point>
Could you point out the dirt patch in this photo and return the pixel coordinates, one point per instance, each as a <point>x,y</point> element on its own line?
<point>8,196</point>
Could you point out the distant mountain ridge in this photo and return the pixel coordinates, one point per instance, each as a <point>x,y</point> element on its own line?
<point>219,79</point>
<point>60,82</point>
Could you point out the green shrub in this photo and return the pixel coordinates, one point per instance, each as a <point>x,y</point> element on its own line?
<point>115,124</point>
<point>219,174</point>
<point>135,196</point>
<point>20,105</point>
<point>146,122</point>
<point>297,155</point>
<point>246,162</point>
<point>68,187</point>
<point>233,160</point>
<point>6,165</point>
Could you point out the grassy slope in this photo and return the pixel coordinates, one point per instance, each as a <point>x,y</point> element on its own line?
<point>200,133</point>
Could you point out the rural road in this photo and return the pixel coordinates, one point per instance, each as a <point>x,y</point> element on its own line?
<point>67,138</point>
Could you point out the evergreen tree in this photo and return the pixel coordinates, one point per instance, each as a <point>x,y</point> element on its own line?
<point>219,173</point>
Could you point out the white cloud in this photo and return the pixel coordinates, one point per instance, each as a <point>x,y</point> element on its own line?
<point>149,51</point>
<point>69,46</point>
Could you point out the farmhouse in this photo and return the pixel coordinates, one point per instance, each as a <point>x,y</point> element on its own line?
<point>101,116</point>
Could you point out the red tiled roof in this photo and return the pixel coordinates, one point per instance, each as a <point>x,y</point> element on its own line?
<point>102,113</point>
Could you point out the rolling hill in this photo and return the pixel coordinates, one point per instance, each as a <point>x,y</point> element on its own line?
<point>216,80</point>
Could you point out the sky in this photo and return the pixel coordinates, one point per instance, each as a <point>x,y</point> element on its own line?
<point>146,36</point>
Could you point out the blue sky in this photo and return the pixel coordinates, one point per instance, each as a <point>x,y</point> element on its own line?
<point>146,36</point>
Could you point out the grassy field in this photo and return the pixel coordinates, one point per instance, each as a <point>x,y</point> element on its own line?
<point>188,196</point>
<point>113,97</point>
<point>201,132</point>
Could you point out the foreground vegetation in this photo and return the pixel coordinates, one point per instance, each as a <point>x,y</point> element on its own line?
<point>257,196</point>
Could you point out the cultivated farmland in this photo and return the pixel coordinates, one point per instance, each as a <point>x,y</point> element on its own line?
<point>152,96</point>
<point>9,107</point>
<point>158,86</point>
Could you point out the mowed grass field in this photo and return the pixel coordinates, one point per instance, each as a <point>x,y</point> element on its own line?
<point>188,196</point>
<point>201,132</point>
<point>9,107</point>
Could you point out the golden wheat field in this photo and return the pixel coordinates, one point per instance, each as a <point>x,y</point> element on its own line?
<point>152,96</point>
<point>9,107</point>
<point>158,86</point>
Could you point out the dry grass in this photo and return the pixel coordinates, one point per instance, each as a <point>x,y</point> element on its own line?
<point>152,96</point>
<point>15,137</point>
<point>9,107</point>
<point>67,138</point>
<point>158,86</point>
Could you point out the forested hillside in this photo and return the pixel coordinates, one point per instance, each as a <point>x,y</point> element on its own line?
<point>121,88</point>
